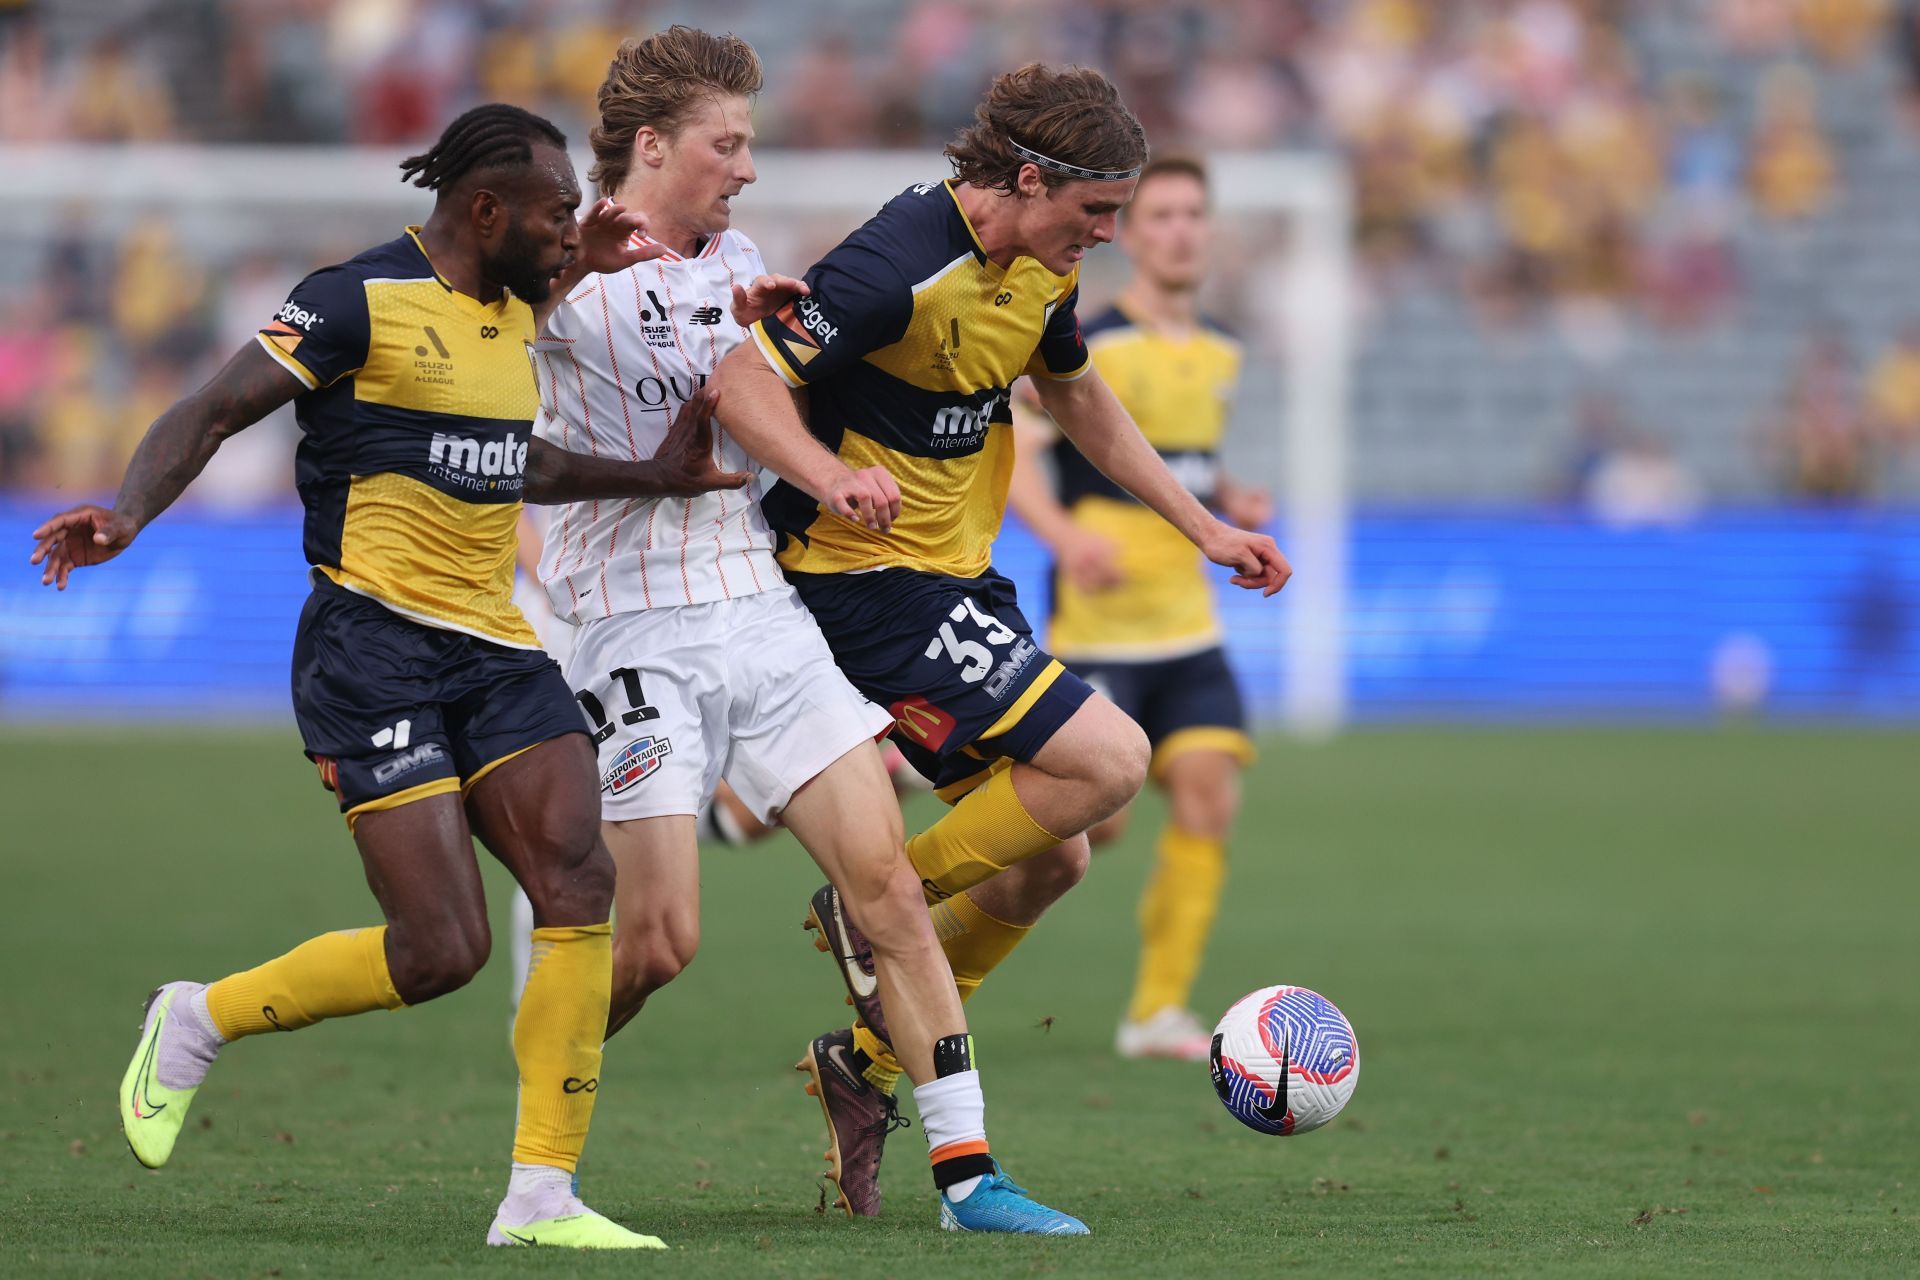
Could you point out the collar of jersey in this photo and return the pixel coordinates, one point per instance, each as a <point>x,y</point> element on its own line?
<point>979,250</point>
<point>707,250</point>
<point>471,303</point>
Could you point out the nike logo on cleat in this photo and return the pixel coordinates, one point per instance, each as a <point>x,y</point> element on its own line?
<point>515,1235</point>
<point>836,1057</point>
<point>145,1079</point>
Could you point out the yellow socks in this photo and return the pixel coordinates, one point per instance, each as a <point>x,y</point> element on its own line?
<point>987,831</point>
<point>1176,915</point>
<point>330,976</point>
<point>556,1041</point>
<point>975,943</point>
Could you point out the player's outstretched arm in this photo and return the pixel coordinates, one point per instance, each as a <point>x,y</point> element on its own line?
<point>175,449</point>
<point>1090,415</point>
<point>1090,561</point>
<point>682,468</point>
<point>762,417</point>
<point>608,243</point>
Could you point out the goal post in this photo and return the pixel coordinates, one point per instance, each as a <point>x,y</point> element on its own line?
<point>1293,284</point>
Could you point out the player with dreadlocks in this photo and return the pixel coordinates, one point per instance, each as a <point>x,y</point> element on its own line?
<point>420,691</point>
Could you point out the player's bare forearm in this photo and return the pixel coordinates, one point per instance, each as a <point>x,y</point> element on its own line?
<point>763,419</point>
<point>1088,413</point>
<point>682,467</point>
<point>556,475</point>
<point>181,441</point>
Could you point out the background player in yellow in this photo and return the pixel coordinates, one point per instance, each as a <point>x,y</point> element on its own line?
<point>1133,610</point>
<point>914,330</point>
<point>421,693</point>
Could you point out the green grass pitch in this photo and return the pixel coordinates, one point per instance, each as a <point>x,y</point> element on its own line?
<point>1629,1003</point>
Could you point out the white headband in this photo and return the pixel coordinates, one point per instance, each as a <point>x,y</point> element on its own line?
<point>1073,170</point>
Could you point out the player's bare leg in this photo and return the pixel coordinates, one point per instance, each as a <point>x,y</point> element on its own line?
<point>656,908</point>
<point>1178,906</point>
<point>846,819</point>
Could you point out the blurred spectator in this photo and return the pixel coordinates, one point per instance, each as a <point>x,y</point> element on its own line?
<point>1893,390</point>
<point>1840,30</point>
<point>1791,174</point>
<point>1623,476</point>
<point>114,94</point>
<point>1820,438</point>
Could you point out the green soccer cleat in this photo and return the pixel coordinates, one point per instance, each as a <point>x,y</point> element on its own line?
<point>583,1230</point>
<point>151,1114</point>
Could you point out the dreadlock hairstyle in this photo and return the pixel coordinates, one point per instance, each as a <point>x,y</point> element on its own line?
<point>492,136</point>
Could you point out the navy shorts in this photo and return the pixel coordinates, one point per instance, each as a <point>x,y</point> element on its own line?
<point>392,710</point>
<point>953,660</point>
<point>1183,703</point>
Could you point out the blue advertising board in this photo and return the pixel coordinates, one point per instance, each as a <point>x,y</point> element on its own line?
<point>1518,615</point>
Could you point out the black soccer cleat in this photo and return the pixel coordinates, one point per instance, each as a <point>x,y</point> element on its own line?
<point>836,934</point>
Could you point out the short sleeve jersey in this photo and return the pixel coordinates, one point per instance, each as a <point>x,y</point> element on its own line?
<point>1180,392</point>
<point>909,345</point>
<point>415,425</point>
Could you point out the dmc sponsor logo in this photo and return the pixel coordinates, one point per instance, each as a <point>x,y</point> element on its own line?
<point>637,760</point>
<point>299,317</point>
<point>815,321</point>
<point>406,762</point>
<point>1023,653</point>
<point>469,462</point>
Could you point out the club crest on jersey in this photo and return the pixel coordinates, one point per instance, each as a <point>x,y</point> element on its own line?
<point>637,760</point>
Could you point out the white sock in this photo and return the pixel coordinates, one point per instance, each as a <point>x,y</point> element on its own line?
<point>953,1109</point>
<point>536,1192</point>
<point>188,1043</point>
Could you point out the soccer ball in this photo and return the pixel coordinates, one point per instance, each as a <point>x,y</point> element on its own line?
<point>1284,1060</point>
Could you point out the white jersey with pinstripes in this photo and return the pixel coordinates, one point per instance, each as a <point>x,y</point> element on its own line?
<point>620,355</point>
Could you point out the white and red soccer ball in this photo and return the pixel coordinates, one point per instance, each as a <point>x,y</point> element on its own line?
<point>1284,1060</point>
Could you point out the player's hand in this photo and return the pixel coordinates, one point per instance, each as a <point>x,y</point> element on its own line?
<point>79,536</point>
<point>766,295</point>
<point>1090,560</point>
<point>685,458</point>
<point>867,497</point>
<point>1254,557</point>
<point>607,238</point>
<point>1245,507</point>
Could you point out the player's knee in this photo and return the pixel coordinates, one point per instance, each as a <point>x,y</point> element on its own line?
<point>425,969</point>
<point>889,905</point>
<point>650,956</point>
<point>570,873</point>
<point>1121,769</point>
<point>1056,871</point>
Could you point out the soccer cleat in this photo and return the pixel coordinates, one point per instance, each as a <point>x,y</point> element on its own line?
<point>859,1118</point>
<point>1001,1205</point>
<point>151,1114</point>
<point>1171,1033</point>
<point>836,934</point>
<point>583,1230</point>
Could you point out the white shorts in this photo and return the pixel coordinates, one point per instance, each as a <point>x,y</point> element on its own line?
<point>742,689</point>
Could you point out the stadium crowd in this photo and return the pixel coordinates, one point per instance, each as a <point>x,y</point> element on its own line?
<point>1534,158</point>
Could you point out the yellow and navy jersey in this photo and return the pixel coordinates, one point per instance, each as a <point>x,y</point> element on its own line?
<point>1180,391</point>
<point>909,345</point>
<point>414,433</point>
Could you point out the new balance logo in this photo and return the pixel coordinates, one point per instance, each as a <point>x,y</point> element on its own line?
<point>708,314</point>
